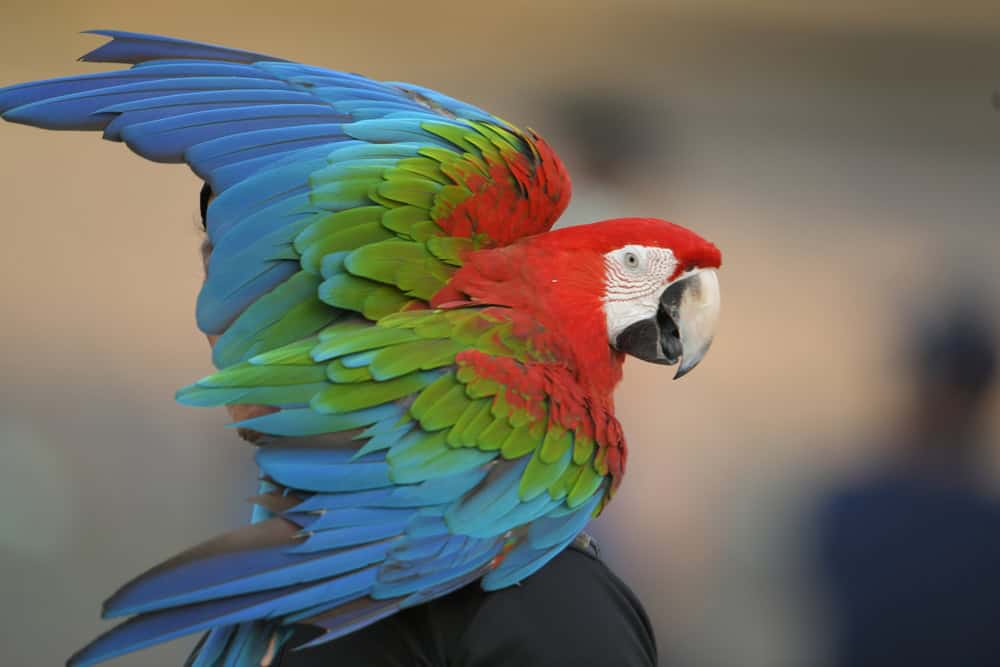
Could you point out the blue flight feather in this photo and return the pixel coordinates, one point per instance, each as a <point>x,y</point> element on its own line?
<point>276,214</point>
<point>239,574</point>
<point>160,626</point>
<point>270,182</point>
<point>322,501</point>
<point>206,157</point>
<point>113,130</point>
<point>363,109</point>
<point>213,646</point>
<point>78,111</point>
<point>317,470</point>
<point>219,303</point>
<point>546,539</point>
<point>473,514</point>
<point>166,139</point>
<point>449,463</point>
<point>549,531</point>
<point>338,538</point>
<point>307,422</point>
<point>357,516</point>
<point>427,525</point>
<point>434,547</point>
<point>457,107</point>
<point>35,91</point>
<point>135,47</point>
<point>523,513</point>
<point>478,557</point>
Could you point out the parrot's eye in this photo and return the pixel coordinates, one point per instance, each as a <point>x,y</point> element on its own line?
<point>631,260</point>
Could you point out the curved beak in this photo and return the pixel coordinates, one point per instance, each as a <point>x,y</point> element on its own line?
<point>684,325</point>
<point>696,318</point>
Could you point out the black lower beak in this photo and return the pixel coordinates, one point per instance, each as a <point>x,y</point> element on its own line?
<point>657,339</point>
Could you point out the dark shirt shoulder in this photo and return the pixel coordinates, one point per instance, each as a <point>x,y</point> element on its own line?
<point>573,612</point>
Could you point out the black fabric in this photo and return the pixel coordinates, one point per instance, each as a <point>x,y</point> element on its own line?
<point>574,612</point>
<point>203,200</point>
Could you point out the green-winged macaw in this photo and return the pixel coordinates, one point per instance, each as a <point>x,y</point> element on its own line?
<point>436,367</point>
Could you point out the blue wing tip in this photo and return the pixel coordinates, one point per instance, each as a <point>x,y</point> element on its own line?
<point>136,47</point>
<point>87,57</point>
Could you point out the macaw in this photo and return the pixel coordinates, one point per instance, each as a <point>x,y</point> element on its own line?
<point>435,366</point>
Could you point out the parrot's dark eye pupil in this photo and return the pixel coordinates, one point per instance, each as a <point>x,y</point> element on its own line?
<point>631,260</point>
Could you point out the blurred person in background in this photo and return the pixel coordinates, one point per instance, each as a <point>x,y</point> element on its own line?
<point>612,141</point>
<point>909,554</point>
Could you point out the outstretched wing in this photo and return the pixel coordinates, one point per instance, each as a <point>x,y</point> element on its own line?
<point>308,164</point>
<point>404,458</point>
<point>408,459</point>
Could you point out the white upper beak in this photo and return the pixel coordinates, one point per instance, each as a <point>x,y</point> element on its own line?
<point>696,317</point>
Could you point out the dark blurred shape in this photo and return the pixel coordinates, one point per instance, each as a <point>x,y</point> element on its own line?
<point>911,552</point>
<point>611,133</point>
<point>575,611</point>
<point>954,360</point>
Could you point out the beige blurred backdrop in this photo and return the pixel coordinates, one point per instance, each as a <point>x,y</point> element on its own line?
<point>845,157</point>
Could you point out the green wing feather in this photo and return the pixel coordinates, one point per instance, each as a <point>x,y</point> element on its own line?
<point>427,360</point>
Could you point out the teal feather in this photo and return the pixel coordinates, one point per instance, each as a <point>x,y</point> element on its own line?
<point>474,514</point>
<point>288,313</point>
<point>292,395</point>
<point>317,470</point>
<point>339,538</point>
<point>450,463</point>
<point>333,264</point>
<point>306,422</point>
<point>325,223</point>
<point>394,130</point>
<point>547,537</point>
<point>415,449</point>
<point>363,151</point>
<point>525,512</point>
<point>477,560</point>
<point>358,359</point>
<point>383,439</point>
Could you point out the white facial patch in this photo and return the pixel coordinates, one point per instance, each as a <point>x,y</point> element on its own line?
<point>635,277</point>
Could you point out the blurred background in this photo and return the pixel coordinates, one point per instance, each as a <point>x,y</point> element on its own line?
<point>844,156</point>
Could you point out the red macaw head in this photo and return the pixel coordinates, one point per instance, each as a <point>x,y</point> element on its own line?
<point>642,286</point>
<point>658,286</point>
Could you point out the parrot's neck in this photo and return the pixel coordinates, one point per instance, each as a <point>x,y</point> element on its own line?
<point>558,292</point>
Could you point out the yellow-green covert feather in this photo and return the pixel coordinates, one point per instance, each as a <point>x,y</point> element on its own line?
<point>334,399</point>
